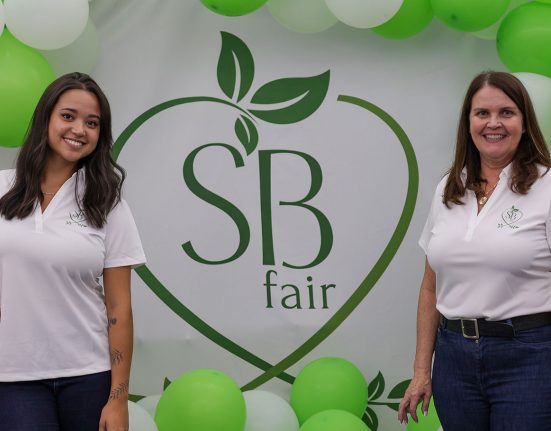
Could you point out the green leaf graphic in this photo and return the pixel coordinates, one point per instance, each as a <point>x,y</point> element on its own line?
<point>247,134</point>
<point>166,383</point>
<point>393,406</point>
<point>370,419</point>
<point>376,387</point>
<point>309,91</point>
<point>235,58</point>
<point>135,398</point>
<point>399,390</point>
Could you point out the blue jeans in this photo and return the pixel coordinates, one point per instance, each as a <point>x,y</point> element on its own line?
<point>62,404</point>
<point>495,384</point>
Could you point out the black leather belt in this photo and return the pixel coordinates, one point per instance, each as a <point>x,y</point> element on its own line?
<point>475,328</point>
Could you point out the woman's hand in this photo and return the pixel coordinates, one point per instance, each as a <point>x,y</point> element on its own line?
<point>114,416</point>
<point>419,389</point>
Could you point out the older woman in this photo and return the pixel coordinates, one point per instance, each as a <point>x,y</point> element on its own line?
<point>66,340</point>
<point>485,299</point>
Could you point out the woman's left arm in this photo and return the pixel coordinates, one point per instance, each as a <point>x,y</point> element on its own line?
<point>114,416</point>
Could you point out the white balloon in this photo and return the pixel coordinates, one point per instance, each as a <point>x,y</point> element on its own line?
<point>46,24</point>
<point>139,419</point>
<point>79,56</point>
<point>364,13</point>
<point>539,89</point>
<point>268,412</point>
<point>2,18</point>
<point>149,403</point>
<point>303,16</point>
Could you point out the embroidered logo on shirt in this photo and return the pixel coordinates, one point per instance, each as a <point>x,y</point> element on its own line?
<point>510,217</point>
<point>77,218</point>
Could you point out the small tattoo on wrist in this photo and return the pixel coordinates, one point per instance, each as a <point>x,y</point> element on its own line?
<point>119,391</point>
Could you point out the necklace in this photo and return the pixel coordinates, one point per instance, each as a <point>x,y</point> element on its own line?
<point>48,193</point>
<point>486,194</point>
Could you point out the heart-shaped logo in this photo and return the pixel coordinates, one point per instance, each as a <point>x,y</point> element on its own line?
<point>300,98</point>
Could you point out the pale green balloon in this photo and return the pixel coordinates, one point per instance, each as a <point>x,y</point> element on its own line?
<point>412,17</point>
<point>469,15</point>
<point>490,33</point>
<point>139,419</point>
<point>2,18</point>
<point>81,55</point>
<point>149,403</point>
<point>303,16</point>
<point>24,75</point>
<point>539,89</point>
<point>268,412</point>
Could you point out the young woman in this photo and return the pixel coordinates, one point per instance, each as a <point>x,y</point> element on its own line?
<point>66,341</point>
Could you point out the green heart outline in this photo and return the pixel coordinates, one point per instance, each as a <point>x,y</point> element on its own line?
<point>278,370</point>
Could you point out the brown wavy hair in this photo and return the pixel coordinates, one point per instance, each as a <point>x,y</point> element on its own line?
<point>104,177</point>
<point>531,152</point>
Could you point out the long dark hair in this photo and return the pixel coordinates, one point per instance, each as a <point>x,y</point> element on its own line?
<point>530,153</point>
<point>104,177</point>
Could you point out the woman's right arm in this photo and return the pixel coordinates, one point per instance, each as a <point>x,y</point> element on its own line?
<point>428,318</point>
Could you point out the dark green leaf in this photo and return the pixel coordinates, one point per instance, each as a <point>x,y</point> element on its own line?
<point>399,390</point>
<point>376,387</point>
<point>393,406</point>
<point>370,419</point>
<point>247,134</point>
<point>303,97</point>
<point>235,58</point>
<point>135,398</point>
<point>166,383</point>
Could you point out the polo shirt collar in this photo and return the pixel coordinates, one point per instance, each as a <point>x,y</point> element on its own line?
<point>505,172</point>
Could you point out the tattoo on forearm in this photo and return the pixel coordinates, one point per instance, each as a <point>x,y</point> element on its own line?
<point>112,322</point>
<point>119,391</point>
<point>116,357</point>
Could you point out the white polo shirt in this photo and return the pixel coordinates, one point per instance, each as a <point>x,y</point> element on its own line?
<point>495,264</point>
<point>53,320</point>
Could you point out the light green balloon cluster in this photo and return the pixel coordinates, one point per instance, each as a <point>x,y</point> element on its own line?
<point>24,75</point>
<point>329,384</point>
<point>201,400</point>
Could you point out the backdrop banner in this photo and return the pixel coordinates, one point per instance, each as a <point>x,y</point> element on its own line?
<point>280,182</point>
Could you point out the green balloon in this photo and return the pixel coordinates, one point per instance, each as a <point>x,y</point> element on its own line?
<point>24,75</point>
<point>426,423</point>
<point>469,15</point>
<point>329,383</point>
<point>490,33</point>
<point>233,7</point>
<point>412,17</point>
<point>334,420</point>
<point>201,400</point>
<point>524,39</point>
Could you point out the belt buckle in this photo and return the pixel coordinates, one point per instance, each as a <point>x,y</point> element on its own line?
<point>475,323</point>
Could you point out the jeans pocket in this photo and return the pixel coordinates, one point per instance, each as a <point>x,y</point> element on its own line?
<point>538,336</point>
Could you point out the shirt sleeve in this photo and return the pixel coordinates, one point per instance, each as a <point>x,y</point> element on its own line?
<point>435,207</point>
<point>123,246</point>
